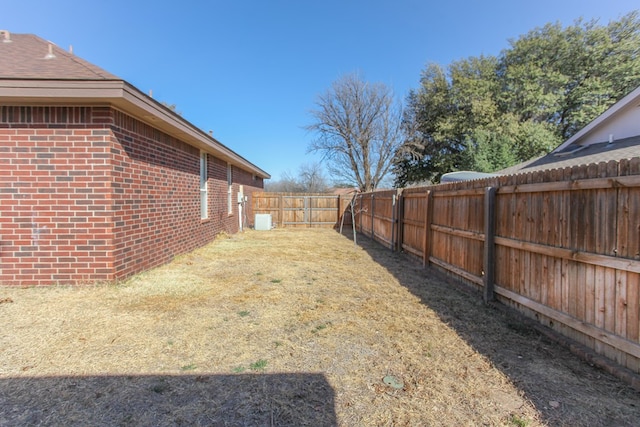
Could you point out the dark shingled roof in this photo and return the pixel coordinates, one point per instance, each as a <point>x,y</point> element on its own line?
<point>627,148</point>
<point>587,145</point>
<point>26,56</point>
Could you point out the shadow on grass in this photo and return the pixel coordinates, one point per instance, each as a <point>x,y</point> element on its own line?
<point>195,400</point>
<point>566,390</point>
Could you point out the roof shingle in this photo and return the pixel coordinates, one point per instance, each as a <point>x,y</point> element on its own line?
<point>627,148</point>
<point>25,56</point>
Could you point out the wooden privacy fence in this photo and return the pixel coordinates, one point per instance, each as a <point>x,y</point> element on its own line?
<point>562,246</point>
<point>302,209</point>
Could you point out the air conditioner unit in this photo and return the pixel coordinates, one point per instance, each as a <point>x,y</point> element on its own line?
<point>262,222</point>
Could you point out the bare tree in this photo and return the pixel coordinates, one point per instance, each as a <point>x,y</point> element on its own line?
<point>358,131</point>
<point>286,184</point>
<point>310,179</point>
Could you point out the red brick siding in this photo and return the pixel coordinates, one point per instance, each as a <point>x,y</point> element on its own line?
<point>217,187</point>
<point>156,181</point>
<point>91,194</point>
<point>250,184</point>
<point>55,222</point>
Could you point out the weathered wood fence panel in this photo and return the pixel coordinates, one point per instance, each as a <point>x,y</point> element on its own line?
<point>377,215</point>
<point>267,203</point>
<point>301,209</point>
<point>457,235</point>
<point>412,221</point>
<point>562,246</point>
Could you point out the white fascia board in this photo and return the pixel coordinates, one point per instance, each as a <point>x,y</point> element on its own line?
<point>630,99</point>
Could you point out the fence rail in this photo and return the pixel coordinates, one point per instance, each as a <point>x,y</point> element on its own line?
<point>301,210</point>
<point>562,246</point>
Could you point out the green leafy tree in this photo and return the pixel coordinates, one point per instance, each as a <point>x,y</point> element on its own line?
<point>488,113</point>
<point>568,76</point>
<point>442,115</point>
<point>490,151</point>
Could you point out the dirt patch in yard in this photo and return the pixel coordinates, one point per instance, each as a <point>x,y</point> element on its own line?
<point>289,327</point>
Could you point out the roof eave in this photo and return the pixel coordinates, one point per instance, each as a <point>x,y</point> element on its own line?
<point>630,99</point>
<point>125,97</point>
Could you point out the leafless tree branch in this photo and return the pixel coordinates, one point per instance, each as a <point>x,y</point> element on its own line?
<point>358,130</point>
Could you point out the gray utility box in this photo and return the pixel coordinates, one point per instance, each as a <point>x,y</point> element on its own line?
<point>262,222</point>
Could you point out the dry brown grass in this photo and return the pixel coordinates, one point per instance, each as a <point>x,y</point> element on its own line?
<point>288,327</point>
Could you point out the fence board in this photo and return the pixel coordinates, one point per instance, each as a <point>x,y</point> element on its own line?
<point>566,245</point>
<point>302,209</point>
<point>610,339</point>
<point>633,307</point>
<point>413,223</point>
<point>428,233</point>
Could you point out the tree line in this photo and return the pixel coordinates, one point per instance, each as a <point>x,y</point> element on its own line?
<point>482,113</point>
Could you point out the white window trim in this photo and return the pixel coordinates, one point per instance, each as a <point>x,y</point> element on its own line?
<point>229,189</point>
<point>204,193</point>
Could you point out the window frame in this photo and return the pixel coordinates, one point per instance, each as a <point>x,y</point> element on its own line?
<point>204,186</point>
<point>229,189</point>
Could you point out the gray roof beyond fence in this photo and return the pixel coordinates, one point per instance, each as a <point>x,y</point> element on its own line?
<point>627,148</point>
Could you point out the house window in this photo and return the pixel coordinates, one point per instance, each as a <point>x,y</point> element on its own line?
<point>203,186</point>
<point>229,189</point>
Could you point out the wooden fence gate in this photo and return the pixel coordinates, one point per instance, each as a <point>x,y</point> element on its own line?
<point>308,211</point>
<point>301,209</point>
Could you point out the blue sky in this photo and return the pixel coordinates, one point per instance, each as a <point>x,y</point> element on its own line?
<point>251,70</point>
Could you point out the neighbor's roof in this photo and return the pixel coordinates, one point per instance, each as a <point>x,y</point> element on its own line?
<point>590,145</point>
<point>624,106</point>
<point>627,148</point>
<point>34,71</point>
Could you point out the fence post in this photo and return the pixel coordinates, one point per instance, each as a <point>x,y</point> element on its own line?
<point>489,243</point>
<point>400,220</point>
<point>393,221</point>
<point>428,219</point>
<point>373,232</point>
<point>360,213</point>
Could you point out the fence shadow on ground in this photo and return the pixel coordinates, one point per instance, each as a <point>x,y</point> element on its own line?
<point>565,389</point>
<point>157,400</point>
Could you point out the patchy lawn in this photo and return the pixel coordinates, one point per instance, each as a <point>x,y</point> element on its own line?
<point>289,327</point>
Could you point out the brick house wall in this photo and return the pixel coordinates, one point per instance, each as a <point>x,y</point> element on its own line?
<point>250,184</point>
<point>91,194</point>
